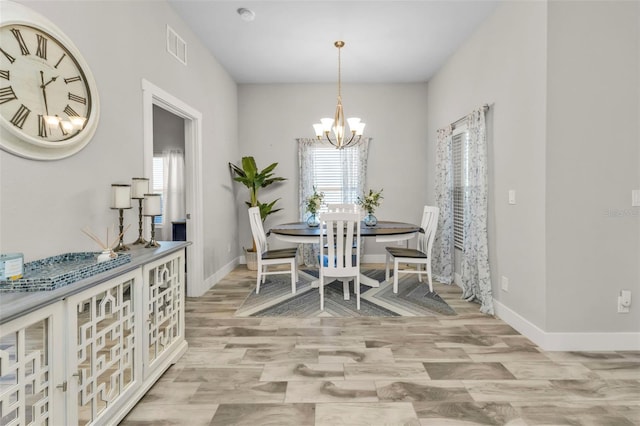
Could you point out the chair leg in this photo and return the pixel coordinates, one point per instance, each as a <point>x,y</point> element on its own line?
<point>264,276</point>
<point>321,289</point>
<point>386,267</point>
<point>356,284</point>
<point>395,275</point>
<point>345,289</point>
<point>258,278</point>
<point>428,268</point>
<point>293,278</point>
<point>419,269</point>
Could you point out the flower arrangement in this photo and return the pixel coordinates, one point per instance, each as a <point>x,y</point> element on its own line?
<point>314,202</point>
<point>370,201</point>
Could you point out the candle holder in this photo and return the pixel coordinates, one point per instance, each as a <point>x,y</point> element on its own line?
<point>121,246</point>
<point>139,187</point>
<point>152,242</point>
<point>152,208</point>
<point>121,200</point>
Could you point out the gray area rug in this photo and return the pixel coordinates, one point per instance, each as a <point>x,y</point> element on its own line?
<point>275,298</point>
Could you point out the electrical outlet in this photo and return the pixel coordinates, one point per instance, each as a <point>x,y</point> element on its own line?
<point>505,284</point>
<point>624,301</point>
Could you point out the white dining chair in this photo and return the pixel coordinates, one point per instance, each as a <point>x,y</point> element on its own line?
<point>420,256</point>
<point>343,207</point>
<point>266,257</point>
<point>338,259</point>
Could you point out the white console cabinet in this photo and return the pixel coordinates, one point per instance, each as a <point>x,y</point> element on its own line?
<point>86,353</point>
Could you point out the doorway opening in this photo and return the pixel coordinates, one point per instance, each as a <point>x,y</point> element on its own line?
<point>156,99</point>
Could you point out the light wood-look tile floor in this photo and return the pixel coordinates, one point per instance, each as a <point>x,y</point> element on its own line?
<point>470,369</point>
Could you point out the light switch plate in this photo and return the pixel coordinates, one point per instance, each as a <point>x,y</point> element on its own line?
<point>512,196</point>
<point>635,198</point>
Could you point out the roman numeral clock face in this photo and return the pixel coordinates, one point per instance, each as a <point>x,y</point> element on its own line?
<point>48,100</point>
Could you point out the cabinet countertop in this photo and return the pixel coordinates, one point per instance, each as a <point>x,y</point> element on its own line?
<point>16,304</point>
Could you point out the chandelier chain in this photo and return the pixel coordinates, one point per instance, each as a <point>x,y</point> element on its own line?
<point>339,72</point>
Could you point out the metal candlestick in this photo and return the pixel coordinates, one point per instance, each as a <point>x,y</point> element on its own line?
<point>121,246</point>
<point>152,242</point>
<point>140,239</point>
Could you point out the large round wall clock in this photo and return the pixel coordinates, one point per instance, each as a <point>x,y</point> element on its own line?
<point>48,97</point>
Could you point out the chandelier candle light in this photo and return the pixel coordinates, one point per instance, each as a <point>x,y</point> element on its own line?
<point>120,200</point>
<point>337,123</point>
<point>152,208</point>
<point>139,187</point>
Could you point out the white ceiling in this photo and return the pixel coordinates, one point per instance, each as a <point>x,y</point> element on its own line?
<point>386,41</point>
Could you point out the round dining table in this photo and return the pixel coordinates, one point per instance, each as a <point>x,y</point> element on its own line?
<point>383,231</point>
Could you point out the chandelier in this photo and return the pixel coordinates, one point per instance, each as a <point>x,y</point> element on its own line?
<point>337,123</point>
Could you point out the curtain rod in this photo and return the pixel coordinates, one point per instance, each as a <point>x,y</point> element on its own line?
<point>460,120</point>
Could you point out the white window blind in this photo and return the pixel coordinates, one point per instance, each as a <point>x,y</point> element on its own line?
<point>331,175</point>
<point>460,182</point>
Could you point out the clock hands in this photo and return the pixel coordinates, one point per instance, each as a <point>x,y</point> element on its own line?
<point>50,119</point>
<point>44,91</point>
<point>48,82</point>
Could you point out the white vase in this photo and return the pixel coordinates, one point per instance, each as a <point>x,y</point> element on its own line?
<point>106,255</point>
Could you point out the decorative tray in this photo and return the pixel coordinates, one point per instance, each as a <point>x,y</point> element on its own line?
<point>58,271</point>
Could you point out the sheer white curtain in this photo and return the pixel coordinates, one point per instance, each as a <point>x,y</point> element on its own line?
<point>173,207</point>
<point>307,180</point>
<point>443,250</point>
<point>476,276</point>
<point>475,273</point>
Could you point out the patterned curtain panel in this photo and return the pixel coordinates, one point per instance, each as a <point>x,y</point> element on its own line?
<point>307,181</point>
<point>476,277</point>
<point>309,252</point>
<point>442,252</point>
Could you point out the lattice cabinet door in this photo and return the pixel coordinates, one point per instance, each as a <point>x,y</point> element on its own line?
<point>104,351</point>
<point>164,292</point>
<point>32,388</point>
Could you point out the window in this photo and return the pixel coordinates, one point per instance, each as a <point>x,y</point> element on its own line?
<point>460,182</point>
<point>336,173</point>
<point>158,183</point>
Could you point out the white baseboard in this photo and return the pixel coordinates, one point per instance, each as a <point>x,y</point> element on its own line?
<point>220,274</point>
<point>374,258</point>
<point>562,341</point>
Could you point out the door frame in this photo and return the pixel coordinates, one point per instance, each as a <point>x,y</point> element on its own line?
<point>153,95</point>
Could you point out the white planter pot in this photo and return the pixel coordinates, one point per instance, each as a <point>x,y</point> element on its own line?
<point>251,259</point>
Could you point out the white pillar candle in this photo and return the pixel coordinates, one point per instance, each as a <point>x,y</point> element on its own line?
<point>139,187</point>
<point>151,205</point>
<point>120,196</point>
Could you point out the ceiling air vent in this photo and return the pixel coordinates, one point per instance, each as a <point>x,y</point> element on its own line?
<point>176,46</point>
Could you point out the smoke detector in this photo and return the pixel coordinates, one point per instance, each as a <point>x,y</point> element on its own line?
<point>246,15</point>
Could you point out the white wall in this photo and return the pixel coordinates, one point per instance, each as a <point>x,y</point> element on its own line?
<point>273,116</point>
<point>563,81</point>
<point>45,204</point>
<point>593,147</point>
<point>504,65</point>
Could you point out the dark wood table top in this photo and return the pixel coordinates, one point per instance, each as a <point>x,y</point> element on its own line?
<point>301,229</point>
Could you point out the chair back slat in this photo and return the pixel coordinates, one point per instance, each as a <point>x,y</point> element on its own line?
<point>257,230</point>
<point>338,257</point>
<point>429,225</point>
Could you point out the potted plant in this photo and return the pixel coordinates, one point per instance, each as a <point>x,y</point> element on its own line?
<point>313,204</point>
<point>254,179</point>
<point>369,202</point>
